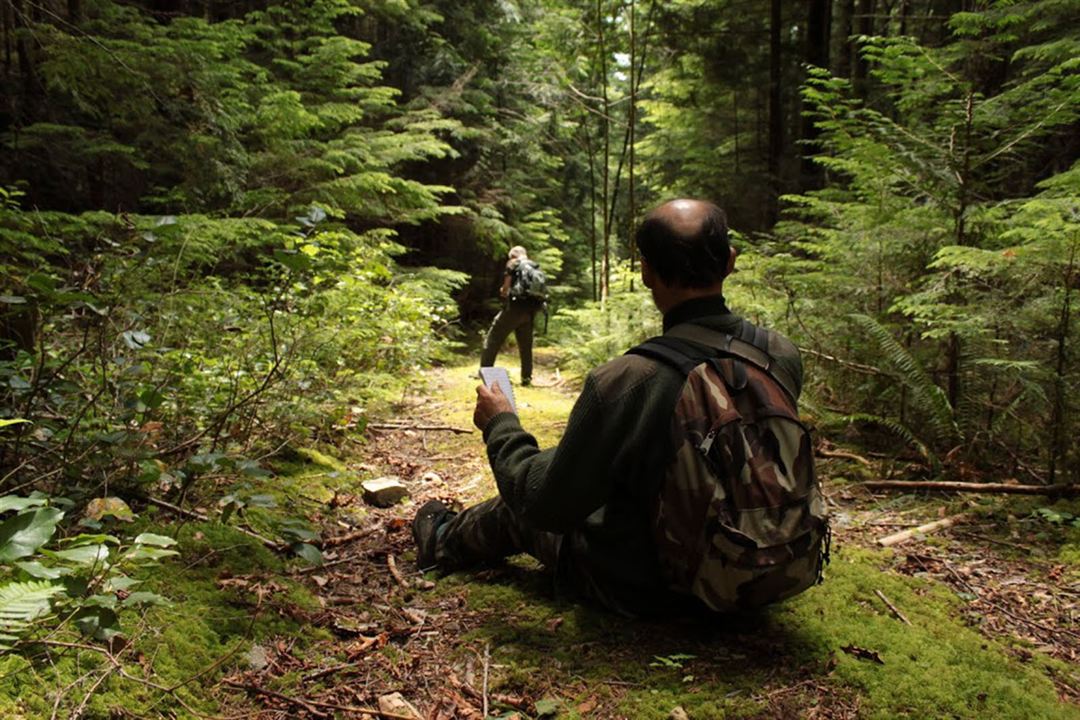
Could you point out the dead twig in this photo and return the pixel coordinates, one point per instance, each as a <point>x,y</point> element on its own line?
<point>895,610</point>
<point>1061,490</point>
<point>192,515</point>
<point>487,667</point>
<point>316,568</point>
<point>402,426</point>
<point>348,537</point>
<point>299,702</point>
<point>77,713</point>
<point>392,565</point>
<point>931,527</point>
<point>312,706</point>
<point>323,672</point>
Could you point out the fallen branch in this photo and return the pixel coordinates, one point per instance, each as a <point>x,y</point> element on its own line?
<point>1061,490</point>
<point>857,367</point>
<point>895,610</point>
<point>299,702</point>
<point>932,527</point>
<point>323,672</point>
<point>192,515</point>
<point>402,426</point>
<point>840,454</point>
<point>312,706</point>
<point>348,537</point>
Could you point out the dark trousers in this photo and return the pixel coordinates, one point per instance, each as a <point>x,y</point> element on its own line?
<point>516,317</point>
<point>487,533</point>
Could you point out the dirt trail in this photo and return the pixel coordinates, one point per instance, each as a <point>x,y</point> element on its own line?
<point>498,644</point>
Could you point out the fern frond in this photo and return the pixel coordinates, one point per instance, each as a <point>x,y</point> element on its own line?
<point>896,428</point>
<point>20,604</point>
<point>927,397</point>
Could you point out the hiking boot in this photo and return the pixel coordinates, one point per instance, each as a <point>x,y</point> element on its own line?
<point>526,382</point>
<point>425,531</point>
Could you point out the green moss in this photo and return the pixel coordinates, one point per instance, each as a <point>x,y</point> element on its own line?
<point>203,623</point>
<point>937,667</point>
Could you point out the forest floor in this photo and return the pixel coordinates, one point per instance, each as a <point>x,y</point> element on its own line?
<point>977,621</point>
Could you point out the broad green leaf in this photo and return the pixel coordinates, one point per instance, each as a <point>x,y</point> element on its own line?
<point>99,623</point>
<point>82,555</point>
<point>35,569</point>
<point>547,706</point>
<point>135,339</point>
<point>120,582</point>
<point>145,552</point>
<point>104,600</point>
<point>15,502</point>
<point>263,501</point>
<point>12,421</point>
<point>144,598</point>
<point>23,534</point>
<point>300,533</point>
<point>90,539</point>
<point>308,552</point>
<point>155,540</point>
<point>252,469</point>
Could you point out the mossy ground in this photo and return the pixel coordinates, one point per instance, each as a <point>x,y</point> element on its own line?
<point>548,656</point>
<point>790,656</point>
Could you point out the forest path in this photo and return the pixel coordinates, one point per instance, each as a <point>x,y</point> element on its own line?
<point>984,634</point>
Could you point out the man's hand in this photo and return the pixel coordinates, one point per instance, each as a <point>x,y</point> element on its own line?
<point>490,401</point>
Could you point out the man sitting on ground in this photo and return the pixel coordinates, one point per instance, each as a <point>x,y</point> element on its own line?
<point>586,509</point>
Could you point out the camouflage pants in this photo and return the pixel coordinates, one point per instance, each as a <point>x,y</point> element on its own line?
<point>490,532</point>
<point>516,317</point>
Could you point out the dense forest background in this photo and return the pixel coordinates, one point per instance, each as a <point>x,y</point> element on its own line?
<point>230,226</point>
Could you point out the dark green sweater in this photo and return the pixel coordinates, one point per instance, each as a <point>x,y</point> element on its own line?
<point>597,485</point>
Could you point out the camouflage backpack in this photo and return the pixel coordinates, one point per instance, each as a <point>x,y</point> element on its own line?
<point>739,520</point>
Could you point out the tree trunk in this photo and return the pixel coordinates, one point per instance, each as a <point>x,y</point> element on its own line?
<point>632,120</point>
<point>1059,415</point>
<point>819,22</point>
<point>864,23</point>
<point>605,264</point>
<point>776,111</point>
<point>842,67</point>
<point>592,204</point>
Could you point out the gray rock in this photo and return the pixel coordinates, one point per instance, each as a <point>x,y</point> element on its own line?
<point>257,658</point>
<point>677,713</point>
<point>384,492</point>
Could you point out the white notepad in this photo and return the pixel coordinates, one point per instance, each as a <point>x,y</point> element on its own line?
<point>498,376</point>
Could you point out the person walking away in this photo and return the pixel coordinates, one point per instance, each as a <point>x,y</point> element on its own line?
<point>524,292</point>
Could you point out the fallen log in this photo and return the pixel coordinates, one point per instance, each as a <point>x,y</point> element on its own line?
<point>1059,490</point>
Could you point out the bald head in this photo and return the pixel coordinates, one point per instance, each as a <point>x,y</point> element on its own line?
<point>685,242</point>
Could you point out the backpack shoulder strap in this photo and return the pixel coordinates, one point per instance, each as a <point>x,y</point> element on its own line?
<point>752,345</point>
<point>677,354</point>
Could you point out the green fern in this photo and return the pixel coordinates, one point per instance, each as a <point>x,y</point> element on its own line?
<point>20,604</point>
<point>929,399</point>
<point>896,428</point>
